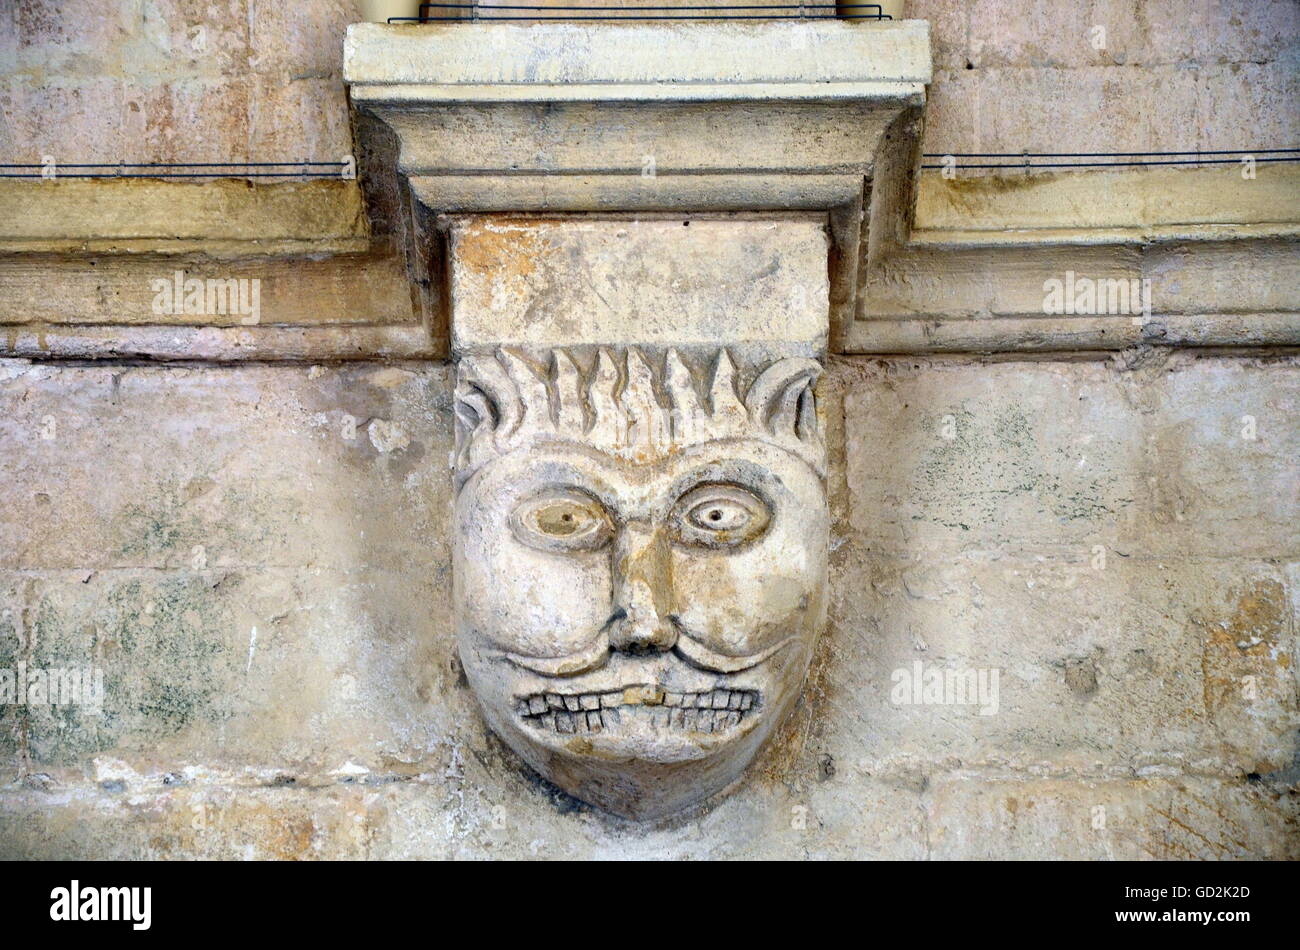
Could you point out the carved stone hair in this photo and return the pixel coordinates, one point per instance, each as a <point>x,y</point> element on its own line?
<point>505,401</point>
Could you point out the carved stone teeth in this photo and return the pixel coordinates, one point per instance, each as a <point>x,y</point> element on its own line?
<point>643,696</point>
<point>709,712</point>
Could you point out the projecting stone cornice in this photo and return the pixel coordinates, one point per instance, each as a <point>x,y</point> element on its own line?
<point>607,62</point>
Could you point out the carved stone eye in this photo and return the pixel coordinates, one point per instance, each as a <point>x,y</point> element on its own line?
<point>566,519</point>
<point>720,515</point>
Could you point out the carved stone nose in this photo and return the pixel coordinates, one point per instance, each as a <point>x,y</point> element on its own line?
<point>642,592</point>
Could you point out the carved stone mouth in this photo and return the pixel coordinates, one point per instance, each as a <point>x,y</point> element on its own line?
<point>711,712</point>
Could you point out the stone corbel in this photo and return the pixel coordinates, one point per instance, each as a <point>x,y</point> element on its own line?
<point>562,118</point>
<point>643,239</point>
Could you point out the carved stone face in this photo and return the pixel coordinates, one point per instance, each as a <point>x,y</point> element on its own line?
<point>638,587</point>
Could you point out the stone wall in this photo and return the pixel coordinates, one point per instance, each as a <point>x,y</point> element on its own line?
<point>258,80</point>
<point>1037,75</point>
<point>257,558</point>
<point>173,81</point>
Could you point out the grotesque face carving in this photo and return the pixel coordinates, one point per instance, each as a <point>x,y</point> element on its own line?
<point>639,567</point>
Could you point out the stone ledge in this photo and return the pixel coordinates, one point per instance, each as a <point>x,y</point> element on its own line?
<point>123,289</point>
<point>222,344</point>
<point>140,215</point>
<point>661,61</point>
<point>1107,207</point>
<point>968,289</point>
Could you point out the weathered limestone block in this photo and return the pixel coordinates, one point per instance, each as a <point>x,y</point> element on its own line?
<point>975,503</point>
<point>464,812</point>
<point>1193,459</point>
<point>685,281</point>
<point>1139,665</point>
<point>1221,460</point>
<point>245,609</point>
<point>1146,819</point>
<point>958,458</point>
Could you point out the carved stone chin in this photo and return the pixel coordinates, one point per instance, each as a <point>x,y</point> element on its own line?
<point>640,564</point>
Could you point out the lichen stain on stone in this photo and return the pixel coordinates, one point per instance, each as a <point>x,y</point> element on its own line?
<point>160,675</point>
<point>11,714</point>
<point>167,521</point>
<point>970,188</point>
<point>1002,449</point>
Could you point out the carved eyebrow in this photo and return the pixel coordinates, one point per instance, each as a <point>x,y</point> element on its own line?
<point>559,472</point>
<point>752,476</point>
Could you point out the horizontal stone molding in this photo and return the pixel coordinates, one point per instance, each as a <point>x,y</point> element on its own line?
<point>218,217</point>
<point>1031,334</point>
<point>221,344</point>
<point>1101,206</point>
<point>565,61</point>
<point>918,262</point>
<point>1219,281</point>
<point>135,289</point>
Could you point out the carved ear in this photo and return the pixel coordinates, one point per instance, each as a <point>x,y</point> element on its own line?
<point>486,400</point>
<point>781,399</point>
